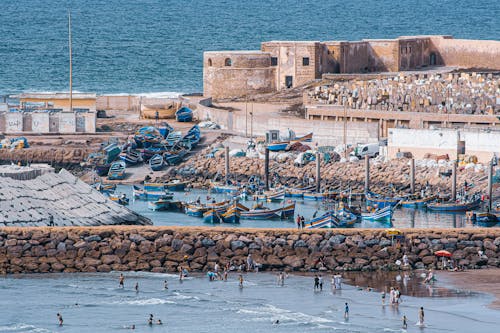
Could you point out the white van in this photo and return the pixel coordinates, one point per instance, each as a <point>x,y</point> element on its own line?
<point>370,150</point>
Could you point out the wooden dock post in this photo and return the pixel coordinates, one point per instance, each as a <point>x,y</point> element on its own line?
<point>454,181</point>
<point>367,174</point>
<point>412,176</point>
<point>318,171</point>
<point>227,165</point>
<point>266,169</point>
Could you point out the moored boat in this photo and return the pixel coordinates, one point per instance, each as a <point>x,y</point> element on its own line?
<point>288,212</point>
<point>122,199</point>
<point>380,215</point>
<point>271,196</point>
<point>211,216</point>
<point>221,188</point>
<point>417,202</point>
<point>117,171</point>
<point>454,206</point>
<point>373,199</point>
<point>327,220</point>
<point>232,215</point>
<point>175,185</point>
<point>261,213</point>
<point>346,218</point>
<point>158,205</point>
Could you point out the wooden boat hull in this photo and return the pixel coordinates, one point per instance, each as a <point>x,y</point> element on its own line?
<point>196,211</point>
<point>149,112</point>
<point>278,196</point>
<point>381,202</point>
<point>156,162</point>
<point>381,215</point>
<point>419,203</point>
<point>327,220</point>
<point>176,186</point>
<point>159,205</point>
<point>288,212</point>
<point>101,169</point>
<point>261,214</point>
<point>277,146</point>
<point>184,114</point>
<point>117,171</point>
<point>211,216</point>
<point>453,207</point>
<point>231,216</point>
<point>219,188</point>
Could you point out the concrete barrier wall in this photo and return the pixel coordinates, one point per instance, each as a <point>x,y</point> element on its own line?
<point>165,249</point>
<point>59,122</point>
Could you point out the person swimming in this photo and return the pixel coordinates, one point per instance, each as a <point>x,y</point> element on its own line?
<point>159,322</point>
<point>150,320</point>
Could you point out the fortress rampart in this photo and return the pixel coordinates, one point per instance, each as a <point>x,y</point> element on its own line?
<point>286,64</point>
<point>165,249</point>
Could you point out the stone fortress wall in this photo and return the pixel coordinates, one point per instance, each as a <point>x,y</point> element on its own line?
<point>165,249</point>
<point>287,64</point>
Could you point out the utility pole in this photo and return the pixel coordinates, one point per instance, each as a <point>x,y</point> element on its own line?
<point>345,128</point>
<point>70,65</point>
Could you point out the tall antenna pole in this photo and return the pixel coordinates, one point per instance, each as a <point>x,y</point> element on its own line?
<point>345,128</point>
<point>70,65</point>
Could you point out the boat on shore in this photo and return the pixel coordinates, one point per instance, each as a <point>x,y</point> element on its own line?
<point>184,114</point>
<point>156,162</point>
<point>131,157</point>
<point>327,220</point>
<point>380,215</point>
<point>117,171</point>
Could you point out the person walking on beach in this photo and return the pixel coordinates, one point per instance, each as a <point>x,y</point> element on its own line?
<point>421,316</point>
<point>405,324</point>
<point>346,311</point>
<point>240,278</point>
<point>298,221</point>
<point>320,282</point>
<point>302,222</point>
<point>60,318</point>
<point>122,279</point>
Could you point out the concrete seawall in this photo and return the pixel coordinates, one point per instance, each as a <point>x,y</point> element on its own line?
<point>162,249</point>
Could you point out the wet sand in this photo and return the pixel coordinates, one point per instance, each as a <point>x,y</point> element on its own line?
<point>479,280</point>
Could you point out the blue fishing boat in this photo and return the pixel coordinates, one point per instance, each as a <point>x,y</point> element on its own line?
<point>165,129</point>
<point>104,188</point>
<point>271,196</point>
<point>417,202</point>
<point>454,206</point>
<point>122,199</point>
<point>173,158</point>
<point>261,213</point>
<point>277,146</point>
<point>327,220</point>
<point>158,205</point>
<point>211,216</point>
<point>380,215</point>
<point>184,114</point>
<point>175,185</point>
<point>131,157</point>
<point>195,210</point>
<point>319,196</point>
<point>102,169</point>
<point>346,218</point>
<point>146,136</point>
<point>374,199</point>
<point>298,192</point>
<point>173,139</point>
<point>232,215</point>
<point>288,212</point>
<point>192,137</point>
<point>486,219</point>
<point>117,171</point>
<point>221,188</point>
<point>156,149</point>
<point>156,162</point>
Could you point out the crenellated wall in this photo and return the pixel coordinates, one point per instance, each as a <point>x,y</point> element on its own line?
<point>162,249</point>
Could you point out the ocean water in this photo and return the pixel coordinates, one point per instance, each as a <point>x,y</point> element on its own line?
<point>403,217</point>
<point>157,45</point>
<point>94,303</point>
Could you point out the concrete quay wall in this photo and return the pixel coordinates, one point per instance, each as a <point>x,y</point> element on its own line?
<point>165,249</point>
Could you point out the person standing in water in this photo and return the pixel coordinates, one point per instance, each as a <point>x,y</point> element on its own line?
<point>316,282</point>
<point>122,280</point>
<point>150,320</point>
<point>137,287</point>
<point>59,317</point>
<point>346,311</point>
<point>405,324</point>
<point>241,280</point>
<point>421,316</point>
<point>165,284</point>
<point>320,281</point>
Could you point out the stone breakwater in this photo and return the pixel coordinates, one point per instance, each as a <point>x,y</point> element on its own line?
<point>162,249</point>
<point>352,174</point>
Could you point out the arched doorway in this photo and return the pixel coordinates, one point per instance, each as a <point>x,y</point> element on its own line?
<point>432,59</point>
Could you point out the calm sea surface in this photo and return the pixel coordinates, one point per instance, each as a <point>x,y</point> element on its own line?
<point>94,303</point>
<point>157,45</point>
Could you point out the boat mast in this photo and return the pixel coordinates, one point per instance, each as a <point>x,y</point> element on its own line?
<point>70,65</point>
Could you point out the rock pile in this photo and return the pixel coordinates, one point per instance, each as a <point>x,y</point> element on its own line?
<point>165,249</point>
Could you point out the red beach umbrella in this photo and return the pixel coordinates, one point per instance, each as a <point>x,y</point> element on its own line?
<point>442,253</point>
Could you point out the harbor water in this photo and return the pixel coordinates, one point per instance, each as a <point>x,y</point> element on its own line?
<point>125,46</point>
<point>403,217</point>
<point>95,303</point>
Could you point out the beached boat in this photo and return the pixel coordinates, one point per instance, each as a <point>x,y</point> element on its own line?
<point>271,196</point>
<point>417,202</point>
<point>454,206</point>
<point>374,199</point>
<point>156,149</point>
<point>147,136</point>
<point>102,169</point>
<point>211,216</point>
<point>277,146</point>
<point>158,205</point>
<point>158,111</point>
<point>131,157</point>
<point>117,171</point>
<point>175,185</point>
<point>232,215</point>
<point>184,114</point>
<point>380,215</point>
<point>327,220</point>
<point>288,212</point>
<point>174,157</point>
<point>192,137</point>
<point>156,162</point>
<point>305,138</point>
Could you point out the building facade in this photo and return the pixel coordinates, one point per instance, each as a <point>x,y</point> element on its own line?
<point>287,64</point>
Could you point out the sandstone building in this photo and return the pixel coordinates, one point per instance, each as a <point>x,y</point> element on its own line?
<point>286,64</point>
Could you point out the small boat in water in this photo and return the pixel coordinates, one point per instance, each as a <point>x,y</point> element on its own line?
<point>259,212</point>
<point>158,205</point>
<point>184,114</point>
<point>271,196</point>
<point>327,220</point>
<point>117,171</point>
<point>318,196</point>
<point>152,191</point>
<point>380,215</point>
<point>156,162</point>
<point>346,218</point>
<point>288,212</point>
<point>450,206</point>
<point>105,188</point>
<point>374,199</point>
<point>175,185</point>
<point>217,187</point>
<point>122,199</point>
<point>417,202</point>
<point>232,215</point>
<point>211,216</point>
<point>298,192</point>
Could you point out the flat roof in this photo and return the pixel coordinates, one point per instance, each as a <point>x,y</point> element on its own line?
<point>55,96</point>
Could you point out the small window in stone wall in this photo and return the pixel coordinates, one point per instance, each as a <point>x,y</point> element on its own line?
<point>228,62</point>
<point>305,61</point>
<point>210,62</point>
<point>274,61</point>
